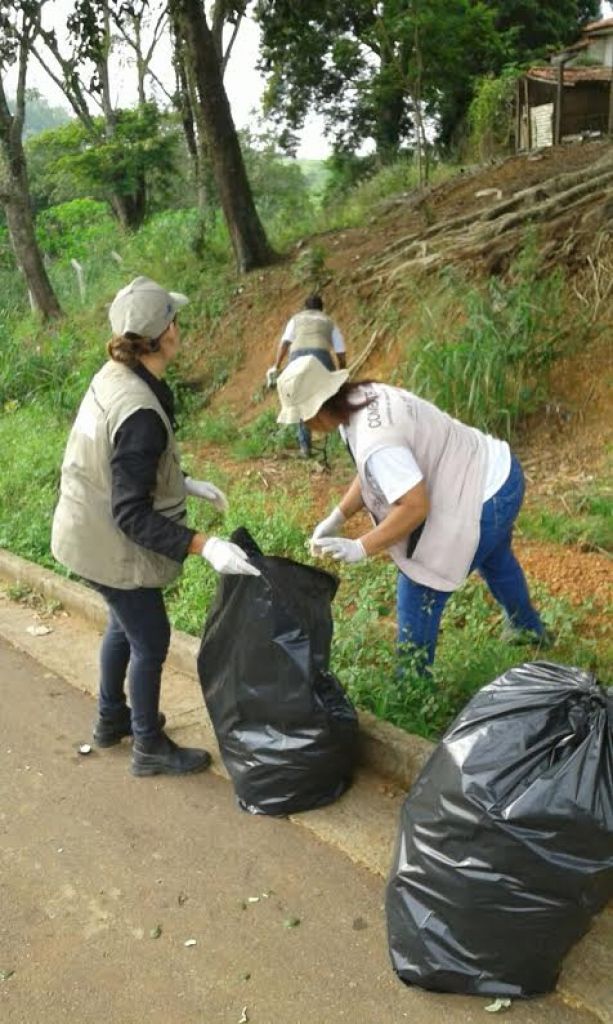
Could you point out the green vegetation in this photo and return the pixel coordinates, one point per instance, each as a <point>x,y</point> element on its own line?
<point>491,115</point>
<point>586,520</point>
<point>138,162</point>
<point>460,356</point>
<point>359,187</point>
<point>373,71</point>
<point>264,437</point>
<point>491,366</point>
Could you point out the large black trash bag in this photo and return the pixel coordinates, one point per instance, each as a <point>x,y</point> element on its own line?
<point>286,730</point>
<point>505,847</point>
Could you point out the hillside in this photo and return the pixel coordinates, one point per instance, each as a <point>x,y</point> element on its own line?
<point>378,279</point>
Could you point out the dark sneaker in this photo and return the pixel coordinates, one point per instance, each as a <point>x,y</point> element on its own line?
<point>163,757</point>
<point>109,731</point>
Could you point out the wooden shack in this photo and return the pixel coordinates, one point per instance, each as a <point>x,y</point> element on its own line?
<point>572,96</point>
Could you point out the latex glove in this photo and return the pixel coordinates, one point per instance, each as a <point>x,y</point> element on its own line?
<point>226,557</point>
<point>343,549</point>
<point>328,527</point>
<point>271,377</point>
<point>203,489</point>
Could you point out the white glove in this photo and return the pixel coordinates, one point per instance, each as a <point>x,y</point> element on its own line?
<point>271,377</point>
<point>203,489</point>
<point>326,528</point>
<point>343,549</point>
<point>226,557</point>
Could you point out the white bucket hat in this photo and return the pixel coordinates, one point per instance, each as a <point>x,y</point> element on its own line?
<point>304,386</point>
<point>144,307</point>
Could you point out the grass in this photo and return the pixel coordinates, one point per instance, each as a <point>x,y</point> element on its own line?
<point>470,652</point>
<point>401,176</point>
<point>484,354</point>
<point>32,441</point>
<point>587,521</point>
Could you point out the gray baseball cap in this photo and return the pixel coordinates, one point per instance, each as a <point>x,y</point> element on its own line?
<point>144,307</point>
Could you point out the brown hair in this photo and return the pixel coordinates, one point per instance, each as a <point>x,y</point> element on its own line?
<point>128,348</point>
<point>340,404</point>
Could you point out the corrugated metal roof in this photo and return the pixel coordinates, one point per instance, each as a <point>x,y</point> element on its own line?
<point>572,76</point>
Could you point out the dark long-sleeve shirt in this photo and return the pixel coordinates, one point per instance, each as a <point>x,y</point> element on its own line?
<point>139,444</point>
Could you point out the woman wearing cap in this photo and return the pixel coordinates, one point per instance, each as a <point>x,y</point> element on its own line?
<point>443,497</point>
<point>120,520</point>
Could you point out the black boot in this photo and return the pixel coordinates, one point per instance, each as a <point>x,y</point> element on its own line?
<point>163,757</point>
<point>109,731</point>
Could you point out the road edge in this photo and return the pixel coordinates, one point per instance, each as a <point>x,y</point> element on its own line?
<point>384,749</point>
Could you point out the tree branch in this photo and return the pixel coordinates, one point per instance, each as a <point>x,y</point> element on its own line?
<point>157,34</point>
<point>20,94</point>
<point>226,56</point>
<point>73,94</point>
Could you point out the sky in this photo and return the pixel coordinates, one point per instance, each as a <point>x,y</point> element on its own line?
<point>244,84</point>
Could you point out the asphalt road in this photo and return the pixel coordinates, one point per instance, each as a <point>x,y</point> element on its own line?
<point>105,878</point>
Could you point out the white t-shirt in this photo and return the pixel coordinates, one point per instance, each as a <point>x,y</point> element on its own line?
<point>338,342</point>
<point>394,471</point>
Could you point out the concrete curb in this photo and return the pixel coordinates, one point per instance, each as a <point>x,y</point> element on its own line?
<point>384,749</point>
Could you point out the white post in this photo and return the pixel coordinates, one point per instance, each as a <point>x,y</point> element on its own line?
<point>78,269</point>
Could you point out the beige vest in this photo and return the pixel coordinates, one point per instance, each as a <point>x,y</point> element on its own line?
<point>85,537</point>
<point>453,460</point>
<point>312,329</point>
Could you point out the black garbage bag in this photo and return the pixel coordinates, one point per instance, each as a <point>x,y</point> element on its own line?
<point>505,847</point>
<point>286,730</point>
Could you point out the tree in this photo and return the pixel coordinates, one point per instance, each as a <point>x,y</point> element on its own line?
<point>138,161</point>
<point>132,20</point>
<point>81,69</point>
<point>18,26</point>
<point>280,189</point>
<point>377,70</point>
<point>374,69</point>
<point>535,26</point>
<point>212,109</point>
<point>223,12</point>
<point>330,57</point>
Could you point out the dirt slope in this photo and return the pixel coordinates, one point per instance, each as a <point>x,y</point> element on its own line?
<point>564,448</point>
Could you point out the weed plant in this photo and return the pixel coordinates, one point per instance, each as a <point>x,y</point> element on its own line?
<point>354,208</point>
<point>588,522</point>
<point>32,441</point>
<point>493,367</point>
<point>264,436</point>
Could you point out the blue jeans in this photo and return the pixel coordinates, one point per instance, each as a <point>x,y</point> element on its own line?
<point>138,633</point>
<point>304,434</point>
<point>420,608</point>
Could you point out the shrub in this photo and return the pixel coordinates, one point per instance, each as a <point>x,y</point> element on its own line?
<point>79,229</point>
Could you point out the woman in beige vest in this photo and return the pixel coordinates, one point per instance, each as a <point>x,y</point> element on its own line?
<point>311,332</point>
<point>443,498</point>
<point>120,520</point>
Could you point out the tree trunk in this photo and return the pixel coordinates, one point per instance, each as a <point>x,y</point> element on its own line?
<point>249,241</point>
<point>23,241</point>
<point>389,109</point>
<point>15,198</point>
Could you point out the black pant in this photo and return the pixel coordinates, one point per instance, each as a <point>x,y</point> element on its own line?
<point>138,633</point>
